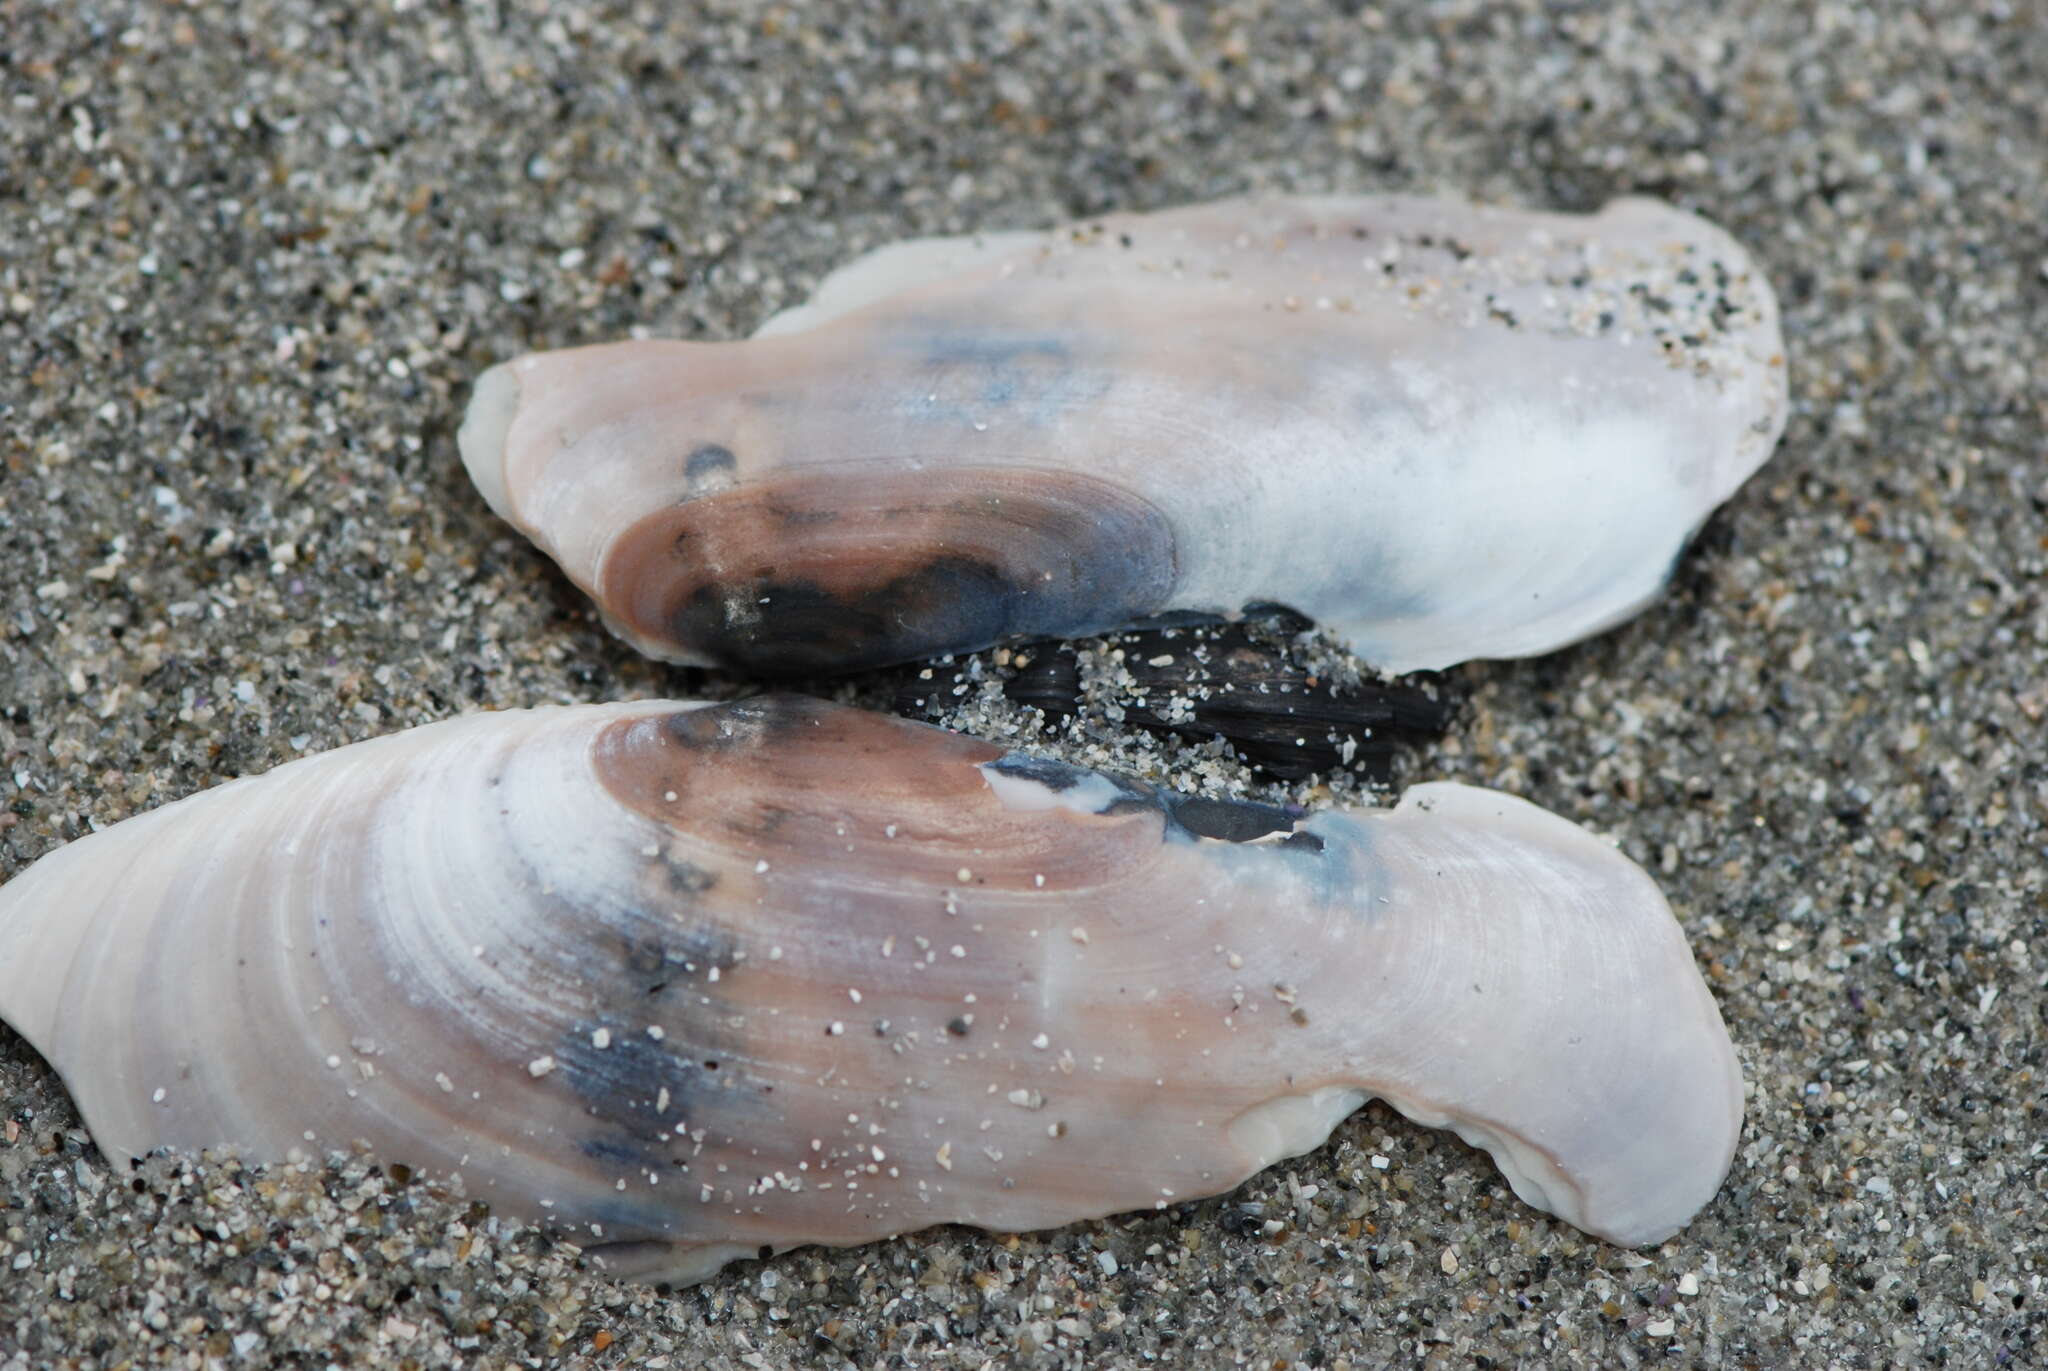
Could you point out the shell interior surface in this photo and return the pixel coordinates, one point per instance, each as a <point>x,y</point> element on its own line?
<point>696,982</point>
<point>1439,430</point>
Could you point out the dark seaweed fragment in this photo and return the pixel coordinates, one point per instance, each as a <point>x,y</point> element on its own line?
<point>1247,690</point>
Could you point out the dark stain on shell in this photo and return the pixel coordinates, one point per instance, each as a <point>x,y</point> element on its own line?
<point>709,459</point>
<point>1232,821</point>
<point>659,962</point>
<point>805,628</point>
<point>636,1087</point>
<point>976,374</point>
<point>686,878</point>
<point>1059,777</point>
<point>1196,816</point>
<point>833,569</point>
<point>743,726</point>
<point>622,1085</point>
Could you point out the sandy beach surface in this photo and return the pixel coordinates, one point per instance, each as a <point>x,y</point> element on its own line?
<point>253,254</point>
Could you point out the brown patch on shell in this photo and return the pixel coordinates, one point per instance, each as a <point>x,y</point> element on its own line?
<point>867,797</point>
<point>868,565</point>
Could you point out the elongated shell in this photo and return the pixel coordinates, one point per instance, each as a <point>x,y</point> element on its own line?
<point>696,983</point>
<point>1442,431</point>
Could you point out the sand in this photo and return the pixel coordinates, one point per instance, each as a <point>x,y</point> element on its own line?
<point>252,255</point>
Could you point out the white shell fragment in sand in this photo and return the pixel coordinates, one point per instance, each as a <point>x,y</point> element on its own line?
<point>1441,431</point>
<point>696,983</point>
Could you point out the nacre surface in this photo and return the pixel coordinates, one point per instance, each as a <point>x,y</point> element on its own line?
<point>1441,431</point>
<point>704,982</point>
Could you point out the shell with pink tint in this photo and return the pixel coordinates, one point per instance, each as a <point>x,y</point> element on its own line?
<point>697,983</point>
<point>1442,431</point>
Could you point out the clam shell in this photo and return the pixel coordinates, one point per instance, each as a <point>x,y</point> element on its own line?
<point>1441,431</point>
<point>702,982</point>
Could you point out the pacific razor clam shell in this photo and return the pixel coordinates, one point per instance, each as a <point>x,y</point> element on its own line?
<point>1441,431</point>
<point>700,982</point>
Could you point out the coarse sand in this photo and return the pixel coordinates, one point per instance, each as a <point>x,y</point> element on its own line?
<point>253,254</point>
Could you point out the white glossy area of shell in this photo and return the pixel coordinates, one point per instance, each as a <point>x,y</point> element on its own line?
<point>895,268</point>
<point>1289,1125</point>
<point>481,439</point>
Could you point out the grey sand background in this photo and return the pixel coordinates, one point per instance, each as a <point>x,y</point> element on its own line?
<point>252,254</point>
